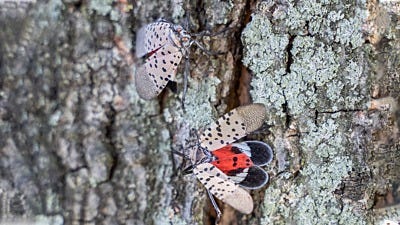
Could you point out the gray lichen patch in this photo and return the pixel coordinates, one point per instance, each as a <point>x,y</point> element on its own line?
<point>186,205</point>
<point>140,187</point>
<point>85,146</point>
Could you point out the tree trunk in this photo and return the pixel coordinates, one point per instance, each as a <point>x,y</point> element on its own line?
<point>78,146</point>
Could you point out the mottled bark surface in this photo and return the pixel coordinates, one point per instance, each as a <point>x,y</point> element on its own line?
<point>78,146</point>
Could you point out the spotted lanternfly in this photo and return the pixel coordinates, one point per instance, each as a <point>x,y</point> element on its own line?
<point>226,168</point>
<point>163,45</point>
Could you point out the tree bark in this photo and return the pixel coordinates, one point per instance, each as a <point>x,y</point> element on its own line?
<point>78,146</point>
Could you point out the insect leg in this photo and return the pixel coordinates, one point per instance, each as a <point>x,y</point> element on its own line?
<point>216,208</point>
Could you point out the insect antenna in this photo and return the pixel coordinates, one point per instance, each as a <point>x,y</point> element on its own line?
<point>209,34</point>
<point>185,78</point>
<point>201,34</point>
<point>263,130</point>
<point>187,15</point>
<point>187,65</point>
<point>186,71</point>
<point>178,153</point>
<point>187,51</point>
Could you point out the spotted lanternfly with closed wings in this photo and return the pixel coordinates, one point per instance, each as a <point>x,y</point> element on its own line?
<point>226,168</point>
<point>163,45</point>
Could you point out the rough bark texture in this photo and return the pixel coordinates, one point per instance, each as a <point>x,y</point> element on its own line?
<point>78,146</point>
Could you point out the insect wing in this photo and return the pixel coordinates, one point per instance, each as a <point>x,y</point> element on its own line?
<point>233,126</point>
<point>152,37</point>
<point>141,39</point>
<point>158,69</point>
<point>224,189</point>
<point>229,158</point>
<point>145,85</point>
<point>259,152</point>
<point>234,160</point>
<point>250,178</point>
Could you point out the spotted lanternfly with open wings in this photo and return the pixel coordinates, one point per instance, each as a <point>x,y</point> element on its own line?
<point>226,168</point>
<point>163,45</point>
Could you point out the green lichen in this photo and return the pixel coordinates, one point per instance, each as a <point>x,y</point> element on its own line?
<point>178,11</point>
<point>149,109</point>
<point>221,15</point>
<point>159,218</point>
<point>388,215</point>
<point>54,118</point>
<point>263,49</point>
<point>319,69</point>
<point>48,13</point>
<point>333,21</point>
<point>101,7</point>
<point>305,60</point>
<point>312,197</point>
<point>198,111</point>
<point>44,220</point>
<point>272,96</point>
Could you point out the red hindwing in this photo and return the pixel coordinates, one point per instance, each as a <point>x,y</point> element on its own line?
<point>228,160</point>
